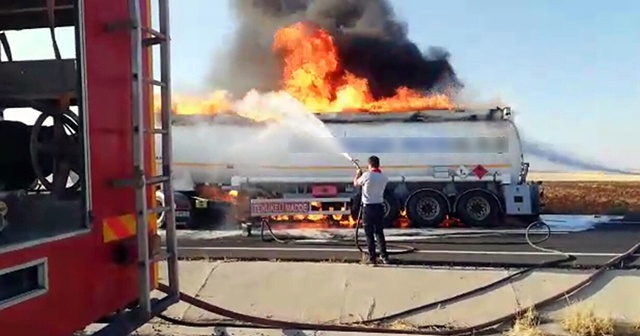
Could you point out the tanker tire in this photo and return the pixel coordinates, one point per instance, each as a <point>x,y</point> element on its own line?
<point>427,209</point>
<point>478,209</point>
<point>391,204</point>
<point>391,209</point>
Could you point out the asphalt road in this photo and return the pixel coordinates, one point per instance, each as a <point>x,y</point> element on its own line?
<point>590,248</point>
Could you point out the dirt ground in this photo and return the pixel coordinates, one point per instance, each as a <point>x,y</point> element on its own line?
<point>604,198</point>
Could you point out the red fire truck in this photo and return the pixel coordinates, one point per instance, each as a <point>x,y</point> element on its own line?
<point>78,240</point>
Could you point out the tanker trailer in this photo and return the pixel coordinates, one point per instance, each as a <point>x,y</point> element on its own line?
<point>465,164</point>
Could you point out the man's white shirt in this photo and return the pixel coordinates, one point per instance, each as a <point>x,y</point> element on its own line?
<point>373,186</point>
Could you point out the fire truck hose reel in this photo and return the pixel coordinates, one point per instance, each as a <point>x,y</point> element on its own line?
<point>64,149</point>
<point>489,326</point>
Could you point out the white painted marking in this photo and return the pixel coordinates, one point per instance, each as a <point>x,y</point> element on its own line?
<point>311,249</point>
<point>559,224</point>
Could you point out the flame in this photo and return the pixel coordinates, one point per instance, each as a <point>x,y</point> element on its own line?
<point>313,221</point>
<point>214,103</point>
<point>215,193</point>
<point>451,222</point>
<point>326,221</point>
<point>313,75</point>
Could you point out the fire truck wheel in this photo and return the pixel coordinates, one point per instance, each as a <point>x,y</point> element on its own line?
<point>391,208</point>
<point>427,208</point>
<point>478,208</point>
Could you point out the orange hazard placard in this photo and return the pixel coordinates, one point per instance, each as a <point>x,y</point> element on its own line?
<point>122,227</point>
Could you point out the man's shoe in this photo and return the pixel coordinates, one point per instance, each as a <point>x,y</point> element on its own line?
<point>369,262</point>
<point>385,260</point>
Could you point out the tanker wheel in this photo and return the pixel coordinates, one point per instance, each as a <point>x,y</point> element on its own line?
<point>391,208</point>
<point>427,208</point>
<point>478,209</point>
<point>63,150</point>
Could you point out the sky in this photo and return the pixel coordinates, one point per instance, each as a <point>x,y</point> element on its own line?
<point>570,69</point>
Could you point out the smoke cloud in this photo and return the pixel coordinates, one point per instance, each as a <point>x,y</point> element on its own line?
<point>372,43</point>
<point>549,153</point>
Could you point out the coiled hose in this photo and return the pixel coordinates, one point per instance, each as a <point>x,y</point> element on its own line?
<point>406,249</point>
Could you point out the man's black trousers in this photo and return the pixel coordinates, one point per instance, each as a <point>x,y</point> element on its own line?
<point>373,221</point>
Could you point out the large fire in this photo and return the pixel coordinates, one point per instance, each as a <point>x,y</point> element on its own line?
<point>324,221</point>
<point>313,75</point>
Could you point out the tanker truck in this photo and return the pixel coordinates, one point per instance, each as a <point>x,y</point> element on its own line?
<point>466,164</point>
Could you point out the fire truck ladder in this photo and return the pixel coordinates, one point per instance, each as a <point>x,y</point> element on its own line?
<point>141,40</point>
<point>145,37</point>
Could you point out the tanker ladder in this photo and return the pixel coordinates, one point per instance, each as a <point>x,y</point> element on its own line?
<point>141,38</point>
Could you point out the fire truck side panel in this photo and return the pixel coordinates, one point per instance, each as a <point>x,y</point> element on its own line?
<point>84,281</point>
<point>77,296</point>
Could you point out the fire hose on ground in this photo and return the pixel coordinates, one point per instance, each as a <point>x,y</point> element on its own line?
<point>376,325</point>
<point>404,249</point>
<point>265,227</point>
<point>489,326</point>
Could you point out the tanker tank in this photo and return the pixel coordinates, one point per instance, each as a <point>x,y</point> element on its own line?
<point>438,160</point>
<point>216,149</point>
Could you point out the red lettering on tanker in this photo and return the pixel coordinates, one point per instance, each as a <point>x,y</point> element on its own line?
<point>272,208</point>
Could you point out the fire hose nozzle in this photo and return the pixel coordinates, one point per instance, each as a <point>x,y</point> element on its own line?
<point>356,163</point>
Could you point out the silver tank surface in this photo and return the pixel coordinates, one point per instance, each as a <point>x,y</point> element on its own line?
<point>415,146</point>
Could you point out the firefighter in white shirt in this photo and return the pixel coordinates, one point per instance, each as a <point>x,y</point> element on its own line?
<point>373,184</point>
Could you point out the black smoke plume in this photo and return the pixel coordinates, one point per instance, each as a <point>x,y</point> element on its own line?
<point>372,43</point>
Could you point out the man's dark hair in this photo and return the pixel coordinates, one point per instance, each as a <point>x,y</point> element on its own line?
<point>374,161</point>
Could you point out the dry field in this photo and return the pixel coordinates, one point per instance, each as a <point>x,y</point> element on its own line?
<point>592,197</point>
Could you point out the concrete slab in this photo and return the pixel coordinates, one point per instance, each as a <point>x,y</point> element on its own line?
<point>277,290</point>
<point>166,331</point>
<point>539,285</point>
<point>340,293</point>
<point>377,292</point>
<point>614,294</point>
<point>193,276</point>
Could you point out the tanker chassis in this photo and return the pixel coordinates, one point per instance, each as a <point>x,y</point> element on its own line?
<point>463,164</point>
